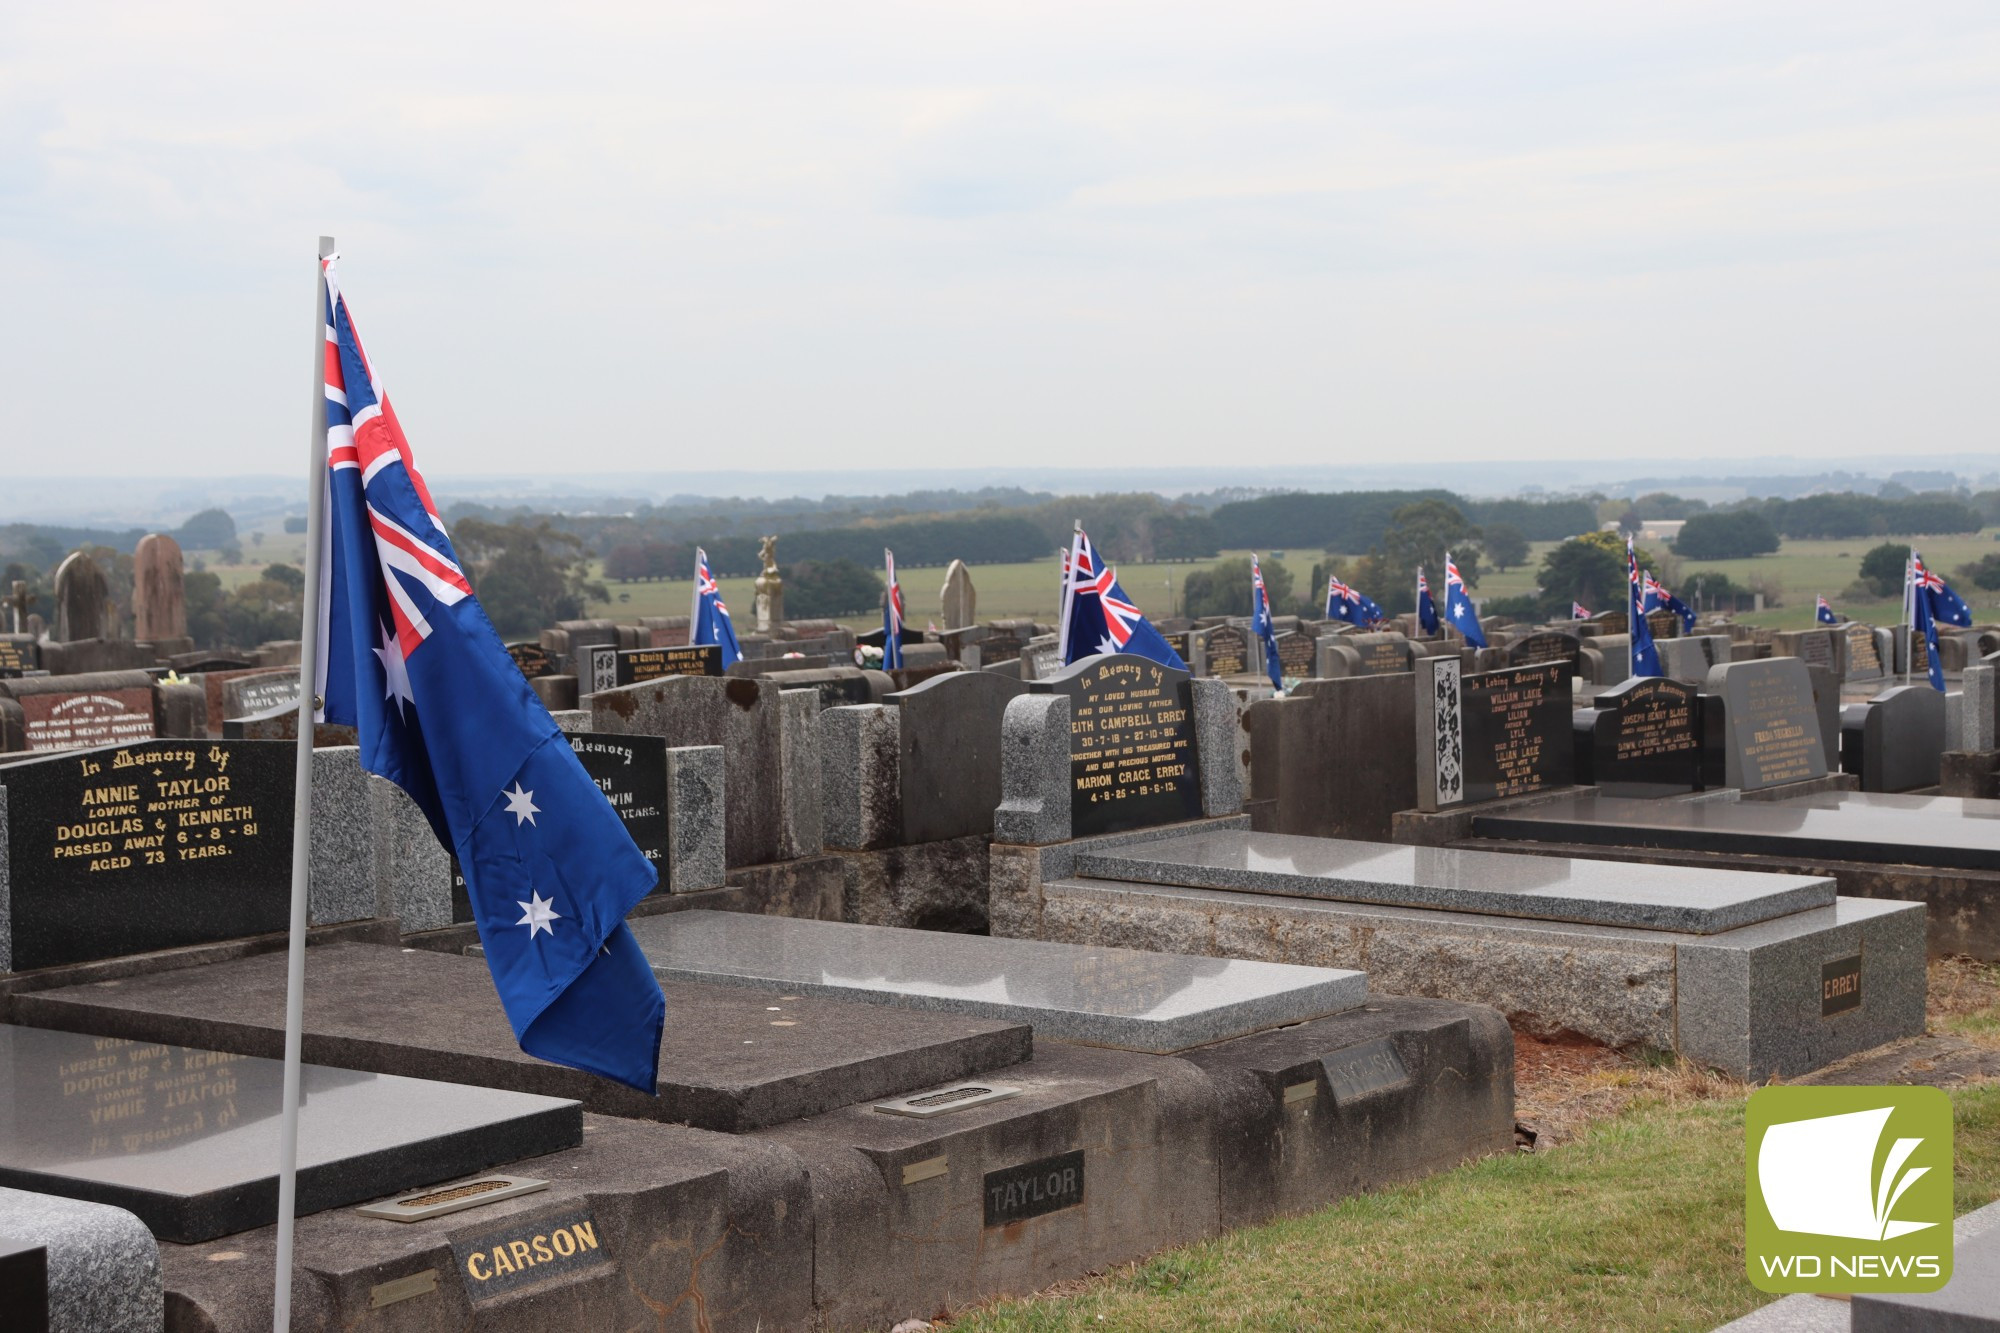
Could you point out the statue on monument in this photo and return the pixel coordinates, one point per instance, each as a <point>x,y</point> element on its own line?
<point>770,588</point>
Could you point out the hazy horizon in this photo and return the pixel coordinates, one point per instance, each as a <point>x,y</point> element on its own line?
<point>783,238</point>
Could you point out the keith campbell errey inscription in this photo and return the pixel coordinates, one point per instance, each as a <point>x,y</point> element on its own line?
<point>154,806</point>
<point>1131,742</point>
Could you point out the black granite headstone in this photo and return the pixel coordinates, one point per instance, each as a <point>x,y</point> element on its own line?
<point>532,659</point>
<point>151,846</point>
<point>607,668</point>
<point>1228,650</point>
<point>1295,654</point>
<point>631,771</point>
<point>1902,739</point>
<point>1516,731</point>
<point>1132,750</point>
<point>17,654</point>
<point>1547,646</point>
<point>1646,738</point>
<point>949,738</point>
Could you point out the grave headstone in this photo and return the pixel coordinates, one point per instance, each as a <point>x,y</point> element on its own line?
<point>631,771</point>
<point>151,846</point>
<point>949,759</point>
<point>1646,738</point>
<point>96,708</point>
<point>1862,657</point>
<point>159,597</point>
<point>1547,646</point>
<point>17,655</point>
<point>607,668</point>
<point>532,659</point>
<point>98,1269</point>
<point>1042,658</point>
<point>1979,705</point>
<point>1296,651</point>
<point>958,600</point>
<point>1814,647</point>
<point>1486,735</point>
<point>81,595</point>
<point>257,693</point>
<point>1225,651</point>
<point>1302,750</point>
<point>1770,723</point>
<point>1901,739</point>
<point>1133,762</point>
<point>1664,625</point>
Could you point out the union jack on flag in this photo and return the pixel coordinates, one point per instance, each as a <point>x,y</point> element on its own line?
<point>1938,599</point>
<point>892,617</point>
<point>1458,608</point>
<point>1097,616</point>
<point>1261,625</point>
<point>1577,611</point>
<point>708,621</point>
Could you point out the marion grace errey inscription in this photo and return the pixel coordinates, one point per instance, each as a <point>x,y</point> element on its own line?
<point>1131,746</point>
<point>119,851</point>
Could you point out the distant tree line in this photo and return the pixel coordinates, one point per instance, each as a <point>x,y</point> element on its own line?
<point>1350,521</point>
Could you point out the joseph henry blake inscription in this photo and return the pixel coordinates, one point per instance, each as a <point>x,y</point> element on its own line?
<point>1132,759</point>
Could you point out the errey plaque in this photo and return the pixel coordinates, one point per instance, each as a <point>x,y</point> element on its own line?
<point>1132,751</point>
<point>152,846</point>
<point>1017,1193</point>
<point>1840,986</point>
<point>631,771</point>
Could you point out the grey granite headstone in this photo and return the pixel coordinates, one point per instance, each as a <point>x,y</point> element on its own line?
<point>1218,739</point>
<point>1977,709</point>
<point>1035,780</point>
<point>103,1265</point>
<point>803,832</point>
<point>343,881</point>
<point>860,792</point>
<point>412,867</point>
<point>1099,996</point>
<point>81,595</point>
<point>949,742</point>
<point>1771,723</point>
<point>1902,738</point>
<point>696,820</point>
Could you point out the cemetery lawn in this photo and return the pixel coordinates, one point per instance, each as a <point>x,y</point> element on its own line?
<point>1636,1224</point>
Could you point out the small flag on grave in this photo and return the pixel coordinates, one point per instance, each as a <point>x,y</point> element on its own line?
<point>892,617</point>
<point>1825,614</point>
<point>1577,611</point>
<point>1657,598</point>
<point>1097,616</point>
<point>1645,656</point>
<point>1931,600</point>
<point>1458,608</point>
<point>1260,621</point>
<point>408,658</point>
<point>709,622</point>
<point>1427,610</point>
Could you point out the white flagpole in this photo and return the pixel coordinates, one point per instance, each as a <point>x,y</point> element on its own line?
<point>309,704</point>
<point>1068,593</point>
<point>1909,612</point>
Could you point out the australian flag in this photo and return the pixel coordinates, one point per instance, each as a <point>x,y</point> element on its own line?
<point>1645,656</point>
<point>408,658</point>
<point>1657,598</point>
<point>1344,603</point>
<point>1458,608</point>
<point>1097,616</point>
<point>1427,610</point>
<point>709,622</point>
<point>1824,615</point>
<point>892,617</point>
<point>1577,611</point>
<point>1932,600</point>
<point>1260,621</point>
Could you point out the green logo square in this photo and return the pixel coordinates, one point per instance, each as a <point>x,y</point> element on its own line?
<point>1848,1189</point>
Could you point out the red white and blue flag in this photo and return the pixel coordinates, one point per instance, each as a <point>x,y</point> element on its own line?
<point>1459,611</point>
<point>1097,616</point>
<point>1427,611</point>
<point>892,617</point>
<point>1824,614</point>
<point>1260,621</point>
<point>1645,654</point>
<point>1356,608</point>
<point>408,658</point>
<point>709,622</point>
<point>1577,611</point>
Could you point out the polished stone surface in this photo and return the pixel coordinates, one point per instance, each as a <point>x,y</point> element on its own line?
<point>187,1139</point>
<point>729,1060</point>
<point>1943,831</point>
<point>1100,996</point>
<point>696,823</point>
<point>860,795</point>
<point>1969,1303</point>
<point>1034,807</point>
<point>1700,902</point>
<point>103,1265</point>
<point>949,734</point>
<point>1221,742</point>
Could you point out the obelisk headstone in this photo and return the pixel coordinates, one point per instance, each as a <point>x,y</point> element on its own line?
<point>81,595</point>
<point>960,599</point>
<point>770,588</point>
<point>159,598</point>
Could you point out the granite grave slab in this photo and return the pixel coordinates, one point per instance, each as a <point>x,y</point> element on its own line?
<point>99,1268</point>
<point>187,1139</point>
<point>1104,997</point>
<point>1698,902</point>
<point>730,1060</point>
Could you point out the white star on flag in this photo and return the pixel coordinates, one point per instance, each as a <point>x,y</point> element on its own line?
<point>537,914</point>
<point>396,669</point>
<point>521,805</point>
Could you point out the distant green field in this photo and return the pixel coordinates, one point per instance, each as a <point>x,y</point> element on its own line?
<point>1799,571</point>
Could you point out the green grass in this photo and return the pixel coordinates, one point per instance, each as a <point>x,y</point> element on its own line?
<point>1636,1225</point>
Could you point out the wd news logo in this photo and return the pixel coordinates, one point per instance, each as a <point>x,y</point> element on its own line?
<point>1849,1189</point>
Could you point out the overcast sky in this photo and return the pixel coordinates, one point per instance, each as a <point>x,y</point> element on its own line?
<point>660,236</point>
